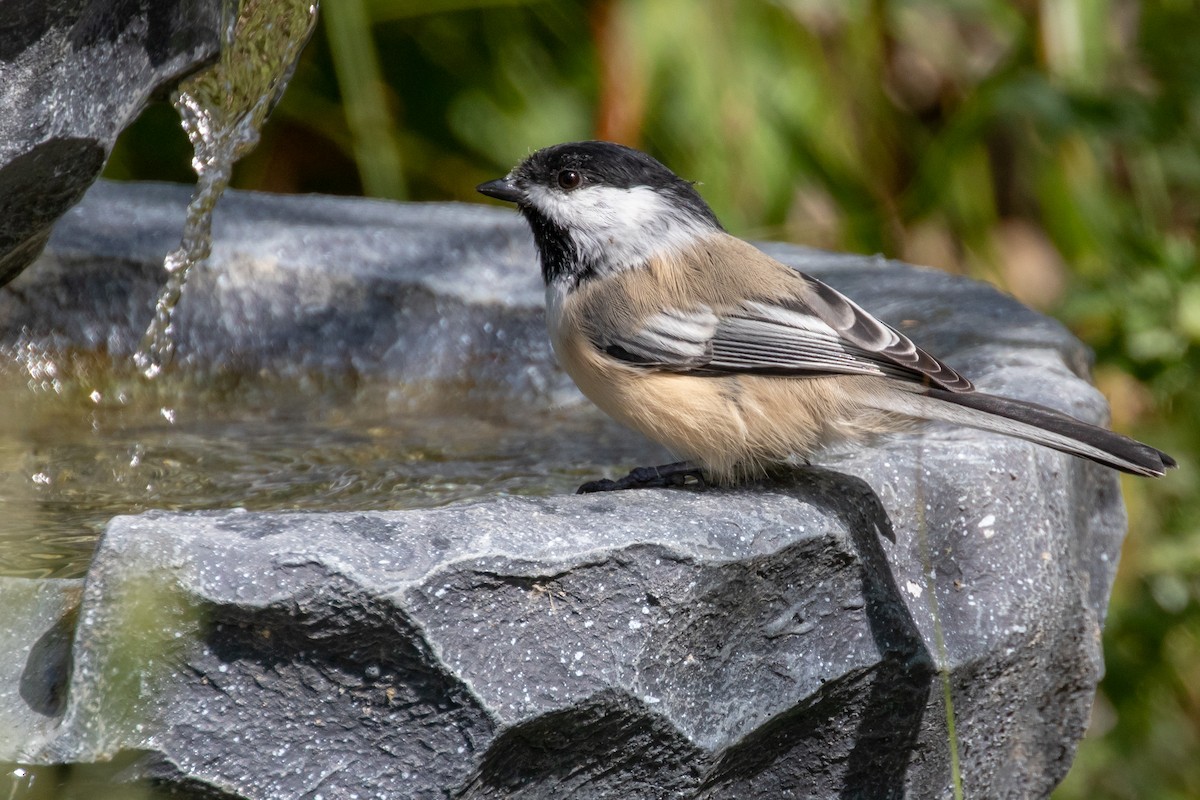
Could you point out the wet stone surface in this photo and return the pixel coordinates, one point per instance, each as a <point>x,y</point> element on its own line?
<point>789,639</point>
<point>73,74</point>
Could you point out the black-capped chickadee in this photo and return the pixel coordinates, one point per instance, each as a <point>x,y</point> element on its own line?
<point>727,357</point>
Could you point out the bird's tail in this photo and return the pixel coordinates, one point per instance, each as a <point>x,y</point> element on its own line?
<point>1031,422</point>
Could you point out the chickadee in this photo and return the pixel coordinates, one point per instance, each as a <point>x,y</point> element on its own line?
<point>727,357</point>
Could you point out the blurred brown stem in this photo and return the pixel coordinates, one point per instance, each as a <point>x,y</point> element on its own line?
<point>621,107</point>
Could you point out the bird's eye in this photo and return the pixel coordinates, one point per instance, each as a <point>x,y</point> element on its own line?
<point>569,179</point>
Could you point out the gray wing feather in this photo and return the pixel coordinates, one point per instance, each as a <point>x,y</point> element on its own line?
<point>823,333</point>
<point>673,339</point>
<point>863,330</point>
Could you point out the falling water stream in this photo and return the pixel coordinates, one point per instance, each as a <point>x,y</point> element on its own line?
<point>222,110</point>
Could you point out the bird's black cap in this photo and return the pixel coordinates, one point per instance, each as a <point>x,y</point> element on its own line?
<point>598,163</point>
<point>604,163</point>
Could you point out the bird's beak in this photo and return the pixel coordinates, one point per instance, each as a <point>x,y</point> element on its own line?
<point>501,189</point>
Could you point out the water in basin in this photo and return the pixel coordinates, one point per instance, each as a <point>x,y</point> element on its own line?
<point>84,439</point>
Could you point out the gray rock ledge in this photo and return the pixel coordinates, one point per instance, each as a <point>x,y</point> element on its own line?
<point>771,643</point>
<point>792,639</point>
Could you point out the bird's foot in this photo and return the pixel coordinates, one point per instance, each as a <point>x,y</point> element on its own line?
<point>667,475</point>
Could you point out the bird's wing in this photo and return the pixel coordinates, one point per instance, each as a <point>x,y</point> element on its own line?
<point>820,332</point>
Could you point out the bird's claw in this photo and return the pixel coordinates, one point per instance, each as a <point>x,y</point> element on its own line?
<point>668,475</point>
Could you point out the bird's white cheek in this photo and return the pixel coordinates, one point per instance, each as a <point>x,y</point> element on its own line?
<point>618,228</point>
<point>568,210</point>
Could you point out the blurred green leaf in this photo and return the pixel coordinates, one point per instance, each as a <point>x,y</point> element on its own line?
<point>370,122</point>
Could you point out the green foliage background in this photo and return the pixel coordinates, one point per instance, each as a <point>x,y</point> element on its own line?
<point>1050,146</point>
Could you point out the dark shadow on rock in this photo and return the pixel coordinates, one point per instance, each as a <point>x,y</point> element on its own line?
<point>360,660</point>
<point>47,674</point>
<point>607,746</point>
<point>890,722</point>
<point>807,738</point>
<point>336,638</point>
